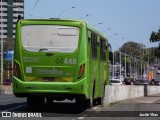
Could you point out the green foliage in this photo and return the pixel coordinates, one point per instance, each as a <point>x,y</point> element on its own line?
<point>155,37</point>
<point>133,49</point>
<point>138,52</point>
<point>157,51</point>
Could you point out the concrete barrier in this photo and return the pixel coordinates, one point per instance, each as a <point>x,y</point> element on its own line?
<point>113,93</point>
<point>123,92</point>
<point>153,90</point>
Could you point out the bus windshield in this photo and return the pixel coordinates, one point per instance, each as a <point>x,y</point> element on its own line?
<point>50,38</point>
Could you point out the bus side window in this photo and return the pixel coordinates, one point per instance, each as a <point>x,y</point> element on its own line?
<point>94,45</point>
<point>89,39</point>
<point>102,49</point>
<point>89,36</point>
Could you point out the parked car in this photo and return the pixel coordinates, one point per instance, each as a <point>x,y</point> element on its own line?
<point>116,82</point>
<point>141,82</point>
<point>121,77</point>
<point>128,81</point>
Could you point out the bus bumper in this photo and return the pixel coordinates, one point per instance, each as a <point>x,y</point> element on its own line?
<point>23,89</point>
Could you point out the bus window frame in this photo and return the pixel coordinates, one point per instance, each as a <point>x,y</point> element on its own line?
<point>103,49</point>
<point>94,45</point>
<point>68,52</point>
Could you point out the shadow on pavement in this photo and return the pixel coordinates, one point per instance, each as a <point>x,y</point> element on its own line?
<point>7,107</point>
<point>67,108</point>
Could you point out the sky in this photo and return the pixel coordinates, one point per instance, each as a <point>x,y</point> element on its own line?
<point>132,20</point>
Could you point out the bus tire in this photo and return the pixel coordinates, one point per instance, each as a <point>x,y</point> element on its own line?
<point>35,102</point>
<point>49,100</point>
<point>81,102</point>
<point>30,102</point>
<point>101,99</point>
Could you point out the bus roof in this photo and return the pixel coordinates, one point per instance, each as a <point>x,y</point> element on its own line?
<point>90,27</point>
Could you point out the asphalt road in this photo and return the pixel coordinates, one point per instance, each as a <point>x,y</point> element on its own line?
<point>124,110</point>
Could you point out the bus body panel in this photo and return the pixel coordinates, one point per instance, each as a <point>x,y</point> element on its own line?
<point>63,73</point>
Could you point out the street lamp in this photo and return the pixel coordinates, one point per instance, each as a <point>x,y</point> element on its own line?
<point>97,24</point>
<point>113,35</point>
<point>85,16</point>
<point>107,29</point>
<point>65,10</point>
<point>34,9</point>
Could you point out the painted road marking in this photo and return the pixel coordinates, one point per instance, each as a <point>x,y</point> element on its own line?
<point>14,108</point>
<point>5,100</point>
<point>80,118</point>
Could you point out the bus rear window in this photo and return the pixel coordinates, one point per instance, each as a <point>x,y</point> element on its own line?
<point>50,38</point>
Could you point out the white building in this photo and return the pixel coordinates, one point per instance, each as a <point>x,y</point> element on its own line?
<point>9,11</point>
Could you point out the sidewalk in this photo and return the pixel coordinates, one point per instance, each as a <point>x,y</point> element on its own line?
<point>6,89</point>
<point>147,99</point>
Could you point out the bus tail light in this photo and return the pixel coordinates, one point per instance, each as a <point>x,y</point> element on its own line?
<point>16,70</point>
<point>81,71</point>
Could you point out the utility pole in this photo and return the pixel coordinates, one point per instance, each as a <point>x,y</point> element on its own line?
<point>125,66</point>
<point>120,64</point>
<point>113,66</point>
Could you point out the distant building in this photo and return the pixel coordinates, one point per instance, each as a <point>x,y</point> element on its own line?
<point>9,11</point>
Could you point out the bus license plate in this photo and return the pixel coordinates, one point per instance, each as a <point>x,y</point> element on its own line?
<point>48,79</point>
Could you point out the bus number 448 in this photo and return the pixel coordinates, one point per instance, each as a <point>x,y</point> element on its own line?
<point>71,61</point>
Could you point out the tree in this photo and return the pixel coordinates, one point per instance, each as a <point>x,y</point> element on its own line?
<point>136,55</point>
<point>155,37</point>
<point>133,49</point>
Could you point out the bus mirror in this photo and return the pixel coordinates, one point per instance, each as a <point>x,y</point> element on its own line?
<point>109,47</point>
<point>19,18</point>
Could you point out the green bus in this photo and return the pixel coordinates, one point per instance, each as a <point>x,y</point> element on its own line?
<point>58,59</point>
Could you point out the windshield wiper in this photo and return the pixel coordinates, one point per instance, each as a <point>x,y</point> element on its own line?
<point>42,49</point>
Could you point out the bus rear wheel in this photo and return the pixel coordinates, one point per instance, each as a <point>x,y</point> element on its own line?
<point>34,102</point>
<point>49,100</point>
<point>101,99</point>
<point>81,102</point>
